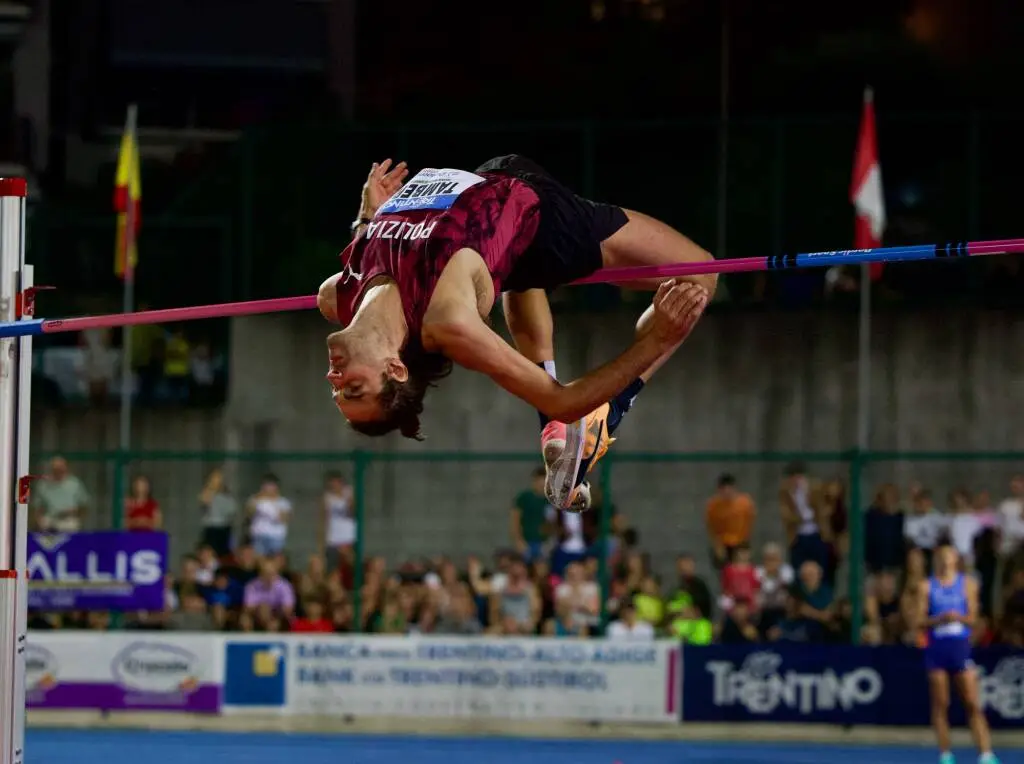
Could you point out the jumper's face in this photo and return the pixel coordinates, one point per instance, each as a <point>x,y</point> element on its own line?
<point>357,376</point>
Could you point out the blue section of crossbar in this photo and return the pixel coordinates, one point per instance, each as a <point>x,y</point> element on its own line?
<point>29,328</point>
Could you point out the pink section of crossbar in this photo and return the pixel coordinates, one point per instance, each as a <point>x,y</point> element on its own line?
<point>171,315</point>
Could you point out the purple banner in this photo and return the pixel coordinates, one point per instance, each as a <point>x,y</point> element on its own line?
<point>107,570</point>
<point>112,671</point>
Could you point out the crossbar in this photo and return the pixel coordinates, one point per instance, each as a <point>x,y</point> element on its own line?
<point>829,258</point>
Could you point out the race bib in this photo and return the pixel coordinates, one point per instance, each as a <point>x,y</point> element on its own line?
<point>430,190</point>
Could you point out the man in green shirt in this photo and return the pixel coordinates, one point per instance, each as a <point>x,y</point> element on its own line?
<point>528,520</point>
<point>60,502</point>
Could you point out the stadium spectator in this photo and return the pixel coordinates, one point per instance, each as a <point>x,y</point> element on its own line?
<point>835,517</point>
<point>219,509</point>
<point>803,516</point>
<point>177,367</point>
<point>208,565</point>
<point>245,566</point>
<point>1011,509</point>
<point>141,510</point>
<point>648,602</point>
<point>338,527</point>
<point>188,580</point>
<point>577,600</point>
<point>882,609</point>
<point>691,588</point>
<point>815,599</point>
<point>794,626</point>
<point>312,620</point>
<point>268,512</point>
<point>193,615</point>
<point>515,610</point>
<point>884,540</point>
<point>460,618</point>
<point>774,577</point>
<point>572,545</point>
<point>986,549</point>
<point>738,626</point>
<point>203,373</point>
<point>529,518</point>
<point>628,627</point>
<point>689,625</point>
<point>96,364</point>
<point>223,598</point>
<point>925,525</point>
<point>964,525</point>
<point>60,501</point>
<point>268,597</point>
<point>343,617</point>
<point>739,579</point>
<point>540,574</point>
<point>313,583</point>
<point>729,516</point>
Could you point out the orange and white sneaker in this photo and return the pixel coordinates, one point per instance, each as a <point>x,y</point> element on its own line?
<point>570,452</point>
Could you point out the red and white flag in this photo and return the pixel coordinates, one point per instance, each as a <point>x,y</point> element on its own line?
<point>866,188</point>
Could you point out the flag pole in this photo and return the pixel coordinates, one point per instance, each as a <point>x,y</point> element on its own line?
<point>864,346</point>
<point>125,429</point>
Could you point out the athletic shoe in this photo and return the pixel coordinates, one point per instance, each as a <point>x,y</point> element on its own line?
<point>947,758</point>
<point>570,452</point>
<point>987,758</point>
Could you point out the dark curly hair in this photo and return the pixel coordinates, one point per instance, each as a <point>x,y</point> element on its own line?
<point>403,401</point>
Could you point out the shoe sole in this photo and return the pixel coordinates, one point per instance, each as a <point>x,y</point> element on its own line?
<point>565,464</point>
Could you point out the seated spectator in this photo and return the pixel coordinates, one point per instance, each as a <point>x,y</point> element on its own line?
<point>689,625</point>
<point>964,525</point>
<point>141,510</point>
<point>342,617</point>
<point>774,577</point>
<point>793,627</point>
<point>515,610</point>
<point>648,603</point>
<point>208,565</point>
<point>565,623</point>
<point>390,619</point>
<point>313,583</point>
<point>739,579</point>
<point>460,618</point>
<point>691,589</point>
<point>540,574</point>
<point>245,566</point>
<point>884,544</point>
<point>835,517</point>
<point>268,597</point>
<point>188,581</point>
<point>738,628</point>
<point>193,615</point>
<point>222,597</point>
<point>579,597</point>
<point>312,620</point>
<point>628,627</point>
<point>882,609</point>
<point>840,629</point>
<point>815,598</point>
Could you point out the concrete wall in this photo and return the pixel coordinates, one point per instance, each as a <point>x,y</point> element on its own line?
<point>742,383</point>
<point>768,382</point>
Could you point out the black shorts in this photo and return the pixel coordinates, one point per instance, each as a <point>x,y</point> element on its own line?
<point>567,245</point>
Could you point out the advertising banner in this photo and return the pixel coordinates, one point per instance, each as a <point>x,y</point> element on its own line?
<point>836,684</point>
<point>434,676</point>
<point>108,570</point>
<point>155,671</point>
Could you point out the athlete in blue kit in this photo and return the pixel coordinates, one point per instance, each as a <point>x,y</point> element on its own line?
<point>947,610</point>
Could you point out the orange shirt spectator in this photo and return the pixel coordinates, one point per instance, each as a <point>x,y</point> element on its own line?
<point>730,519</point>
<point>142,511</point>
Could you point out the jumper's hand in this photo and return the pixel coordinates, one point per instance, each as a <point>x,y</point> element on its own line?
<point>381,184</point>
<point>677,306</point>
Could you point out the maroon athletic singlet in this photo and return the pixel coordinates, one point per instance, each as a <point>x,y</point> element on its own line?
<point>416,232</point>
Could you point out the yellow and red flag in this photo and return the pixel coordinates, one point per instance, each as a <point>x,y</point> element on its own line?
<point>128,201</point>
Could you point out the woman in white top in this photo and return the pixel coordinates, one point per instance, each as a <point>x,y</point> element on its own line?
<point>268,513</point>
<point>338,529</point>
